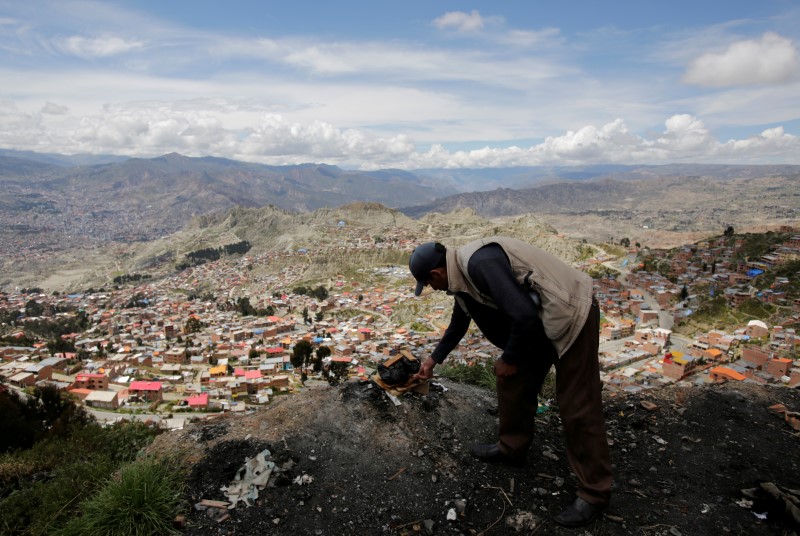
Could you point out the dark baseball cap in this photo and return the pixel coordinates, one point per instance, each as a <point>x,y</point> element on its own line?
<point>425,258</point>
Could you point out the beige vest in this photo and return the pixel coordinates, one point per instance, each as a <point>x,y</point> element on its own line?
<point>565,292</point>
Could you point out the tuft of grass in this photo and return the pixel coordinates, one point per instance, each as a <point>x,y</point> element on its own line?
<point>142,499</point>
<point>480,374</point>
<point>44,486</point>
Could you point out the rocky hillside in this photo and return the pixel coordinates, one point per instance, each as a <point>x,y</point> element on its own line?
<point>688,460</point>
<point>657,209</point>
<point>276,230</point>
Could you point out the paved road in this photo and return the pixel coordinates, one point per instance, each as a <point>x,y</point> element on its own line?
<point>176,421</point>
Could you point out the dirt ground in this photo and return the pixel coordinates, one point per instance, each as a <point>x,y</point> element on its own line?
<point>682,458</point>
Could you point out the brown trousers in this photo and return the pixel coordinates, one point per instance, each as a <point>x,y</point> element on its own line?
<point>578,392</point>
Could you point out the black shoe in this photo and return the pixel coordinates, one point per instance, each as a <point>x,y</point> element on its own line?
<point>493,454</point>
<point>579,513</point>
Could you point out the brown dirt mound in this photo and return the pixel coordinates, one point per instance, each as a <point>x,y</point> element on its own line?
<point>682,457</point>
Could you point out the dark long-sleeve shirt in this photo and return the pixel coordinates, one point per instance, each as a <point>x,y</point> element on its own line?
<point>514,326</point>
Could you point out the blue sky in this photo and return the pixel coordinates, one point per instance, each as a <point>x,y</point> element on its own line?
<point>405,84</point>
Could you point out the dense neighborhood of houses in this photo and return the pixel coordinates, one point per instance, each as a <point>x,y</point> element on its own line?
<point>159,347</point>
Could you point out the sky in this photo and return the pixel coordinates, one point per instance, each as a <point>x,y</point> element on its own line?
<point>409,85</point>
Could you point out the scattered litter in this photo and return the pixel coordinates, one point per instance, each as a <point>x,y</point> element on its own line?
<point>394,399</point>
<point>760,516</point>
<point>549,455</point>
<point>745,503</point>
<point>397,473</point>
<point>461,506</point>
<point>303,479</point>
<point>792,418</point>
<point>649,406</point>
<point>216,510</point>
<point>451,514</point>
<point>659,440</point>
<point>522,521</point>
<point>440,386</point>
<point>249,479</point>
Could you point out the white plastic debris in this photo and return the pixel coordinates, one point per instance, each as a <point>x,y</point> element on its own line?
<point>394,399</point>
<point>451,514</point>
<point>251,478</point>
<point>303,479</point>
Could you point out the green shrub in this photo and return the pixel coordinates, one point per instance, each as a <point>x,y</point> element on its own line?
<point>43,487</point>
<point>142,500</point>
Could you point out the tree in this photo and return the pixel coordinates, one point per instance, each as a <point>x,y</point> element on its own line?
<point>33,308</point>
<point>684,293</point>
<point>301,354</point>
<point>306,318</point>
<point>301,290</point>
<point>244,307</point>
<point>193,325</point>
<point>253,353</point>
<point>729,231</point>
<point>337,372</point>
<point>320,293</point>
<point>321,353</point>
<point>59,345</point>
<point>45,413</point>
<point>318,316</point>
<point>625,242</point>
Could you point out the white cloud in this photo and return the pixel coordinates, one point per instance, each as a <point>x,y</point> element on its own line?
<point>772,59</point>
<point>529,37</point>
<point>685,139</point>
<point>54,109</point>
<point>98,47</point>
<point>201,128</point>
<point>770,143</point>
<point>459,21</point>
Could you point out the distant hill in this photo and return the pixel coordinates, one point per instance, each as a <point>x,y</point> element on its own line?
<point>481,180</point>
<point>660,206</point>
<point>174,188</point>
<point>634,188</point>
<point>62,160</point>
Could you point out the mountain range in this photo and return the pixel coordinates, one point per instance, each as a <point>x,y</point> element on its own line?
<point>54,204</point>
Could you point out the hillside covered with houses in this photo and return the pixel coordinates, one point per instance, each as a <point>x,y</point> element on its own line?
<point>222,336</point>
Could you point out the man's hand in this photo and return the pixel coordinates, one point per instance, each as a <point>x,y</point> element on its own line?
<point>503,369</point>
<point>425,371</point>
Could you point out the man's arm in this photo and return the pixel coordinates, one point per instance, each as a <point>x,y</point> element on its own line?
<point>459,323</point>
